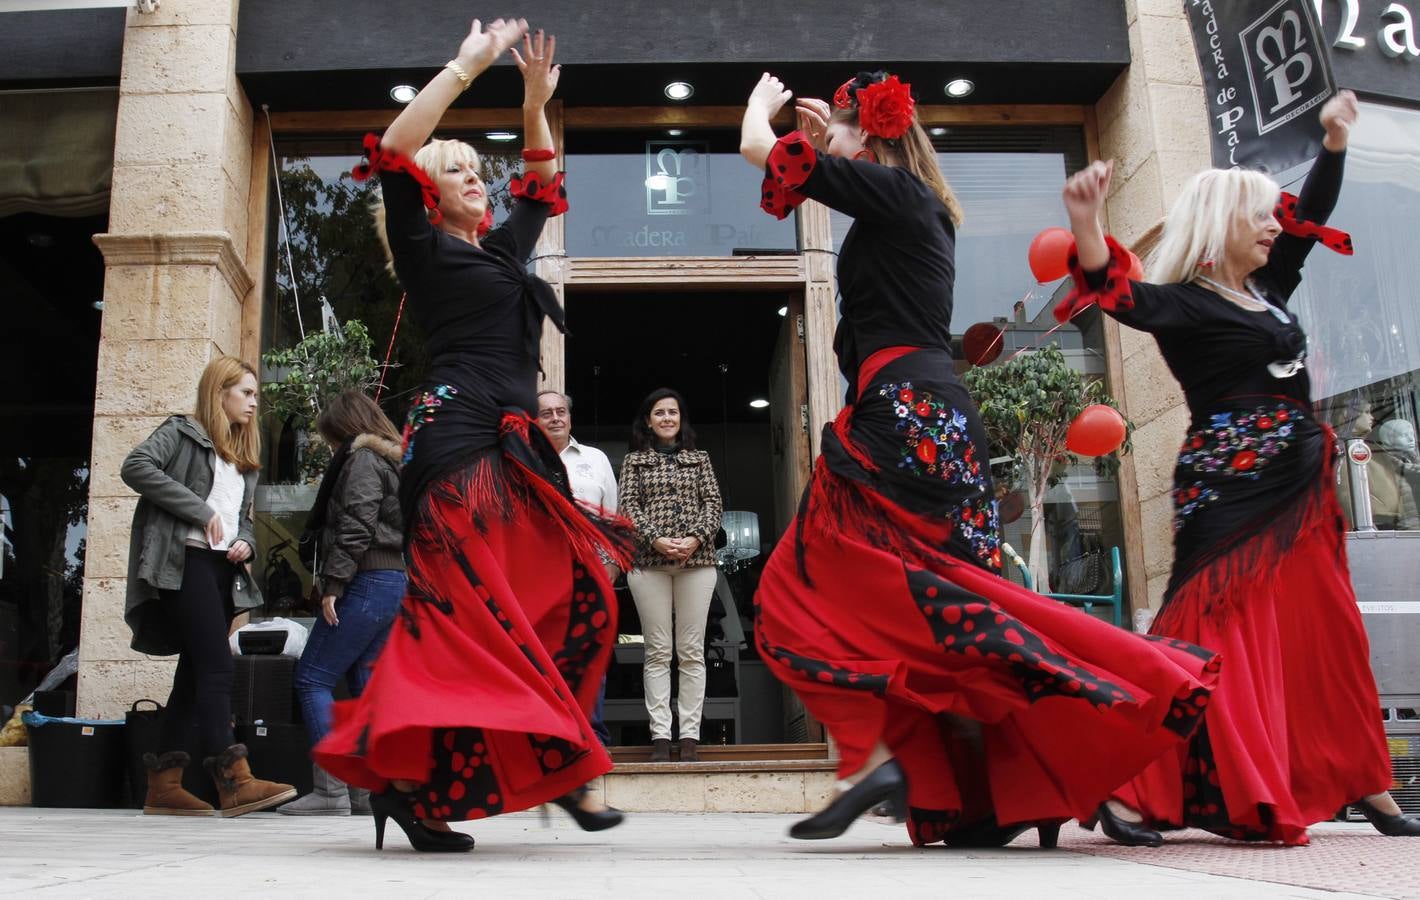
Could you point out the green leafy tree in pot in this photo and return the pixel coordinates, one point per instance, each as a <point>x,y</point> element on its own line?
<point>1027,404</point>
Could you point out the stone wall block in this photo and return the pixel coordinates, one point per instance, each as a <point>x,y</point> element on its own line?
<point>105,636</point>
<point>150,302</point>
<point>1172,9</point>
<point>1152,390</point>
<point>1168,49</point>
<point>167,198</point>
<point>1156,514</point>
<point>157,129</point>
<point>114,437</point>
<point>106,545</point>
<point>1180,120</point>
<point>1132,341</point>
<point>186,12</point>
<point>1156,589</point>
<point>150,377</point>
<point>105,688</point>
<point>1156,450</point>
<point>176,60</point>
<point>235,213</point>
<point>755,792</point>
<point>1136,203</point>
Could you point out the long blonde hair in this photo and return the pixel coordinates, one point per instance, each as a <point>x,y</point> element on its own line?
<point>236,443</point>
<point>1198,224</point>
<point>433,158</point>
<point>915,153</point>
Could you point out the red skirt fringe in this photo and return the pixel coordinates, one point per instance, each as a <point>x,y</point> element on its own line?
<point>1293,731</point>
<point>992,698</point>
<point>482,692</point>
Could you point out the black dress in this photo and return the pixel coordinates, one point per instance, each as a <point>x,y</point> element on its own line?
<point>481,694</point>
<point>885,612</point>
<point>1292,732</point>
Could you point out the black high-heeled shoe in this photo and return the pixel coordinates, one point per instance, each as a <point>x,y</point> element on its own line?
<point>1387,824</point>
<point>987,833</point>
<point>1130,834</point>
<point>391,804</point>
<point>593,820</point>
<point>886,782</point>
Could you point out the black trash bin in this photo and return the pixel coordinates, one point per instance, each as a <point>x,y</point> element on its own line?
<point>76,762</point>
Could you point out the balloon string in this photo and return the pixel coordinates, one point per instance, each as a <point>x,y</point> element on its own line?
<point>399,314</point>
<point>1001,335</point>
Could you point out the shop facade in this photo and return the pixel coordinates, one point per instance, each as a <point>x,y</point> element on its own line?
<point>231,221</point>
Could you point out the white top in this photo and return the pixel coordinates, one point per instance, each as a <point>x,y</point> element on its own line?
<point>225,499</point>
<point>589,474</point>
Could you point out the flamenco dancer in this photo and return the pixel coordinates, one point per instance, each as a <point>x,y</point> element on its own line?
<point>974,707</point>
<point>477,706</point>
<point>1292,732</point>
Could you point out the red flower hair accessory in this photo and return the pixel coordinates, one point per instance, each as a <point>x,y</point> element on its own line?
<point>885,108</point>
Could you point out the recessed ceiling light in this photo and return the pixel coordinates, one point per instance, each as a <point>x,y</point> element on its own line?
<point>675,132</point>
<point>783,310</point>
<point>403,93</point>
<point>960,87</point>
<point>759,403</point>
<point>501,136</point>
<point>937,131</point>
<point>679,90</point>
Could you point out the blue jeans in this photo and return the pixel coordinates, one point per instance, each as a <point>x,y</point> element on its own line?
<point>599,715</point>
<point>366,612</point>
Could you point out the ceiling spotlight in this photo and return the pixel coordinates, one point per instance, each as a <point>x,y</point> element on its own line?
<point>783,310</point>
<point>759,403</point>
<point>98,304</point>
<point>403,93</point>
<point>501,136</point>
<point>938,131</point>
<point>960,87</point>
<point>675,132</point>
<point>679,90</point>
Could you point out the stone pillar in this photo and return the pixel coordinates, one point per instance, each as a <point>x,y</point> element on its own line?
<point>1153,123</point>
<point>174,290</point>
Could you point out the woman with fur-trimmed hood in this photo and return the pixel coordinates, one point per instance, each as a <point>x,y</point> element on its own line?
<point>359,534</point>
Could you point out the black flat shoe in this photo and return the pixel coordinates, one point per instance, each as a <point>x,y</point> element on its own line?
<point>597,820</point>
<point>1388,825</point>
<point>987,833</point>
<point>1130,834</point>
<point>885,783</point>
<point>391,804</point>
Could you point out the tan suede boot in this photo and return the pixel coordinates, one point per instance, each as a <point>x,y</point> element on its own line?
<point>240,792</point>
<point>166,796</point>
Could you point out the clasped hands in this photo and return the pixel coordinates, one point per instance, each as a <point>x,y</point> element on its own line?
<point>679,549</point>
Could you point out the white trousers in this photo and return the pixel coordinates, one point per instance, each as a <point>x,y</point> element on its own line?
<point>668,596</point>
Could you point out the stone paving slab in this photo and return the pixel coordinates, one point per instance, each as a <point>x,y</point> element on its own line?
<point>119,853</point>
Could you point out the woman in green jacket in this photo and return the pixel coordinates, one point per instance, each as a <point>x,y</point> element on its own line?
<point>192,536</point>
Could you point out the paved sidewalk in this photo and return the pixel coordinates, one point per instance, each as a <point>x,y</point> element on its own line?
<point>118,853</point>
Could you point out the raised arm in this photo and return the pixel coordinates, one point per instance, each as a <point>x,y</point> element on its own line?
<point>1084,196</point>
<point>756,133</point>
<point>539,81</point>
<point>408,132</point>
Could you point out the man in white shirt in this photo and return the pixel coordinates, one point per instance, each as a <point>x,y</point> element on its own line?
<point>592,481</point>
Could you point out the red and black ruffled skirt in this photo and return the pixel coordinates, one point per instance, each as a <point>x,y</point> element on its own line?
<point>482,692</point>
<point>1293,731</point>
<point>887,616</point>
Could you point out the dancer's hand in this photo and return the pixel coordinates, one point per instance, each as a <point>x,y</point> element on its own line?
<point>769,96</point>
<point>327,609</point>
<point>539,74</point>
<point>1086,190</point>
<point>482,48</point>
<point>1337,116</point>
<point>813,116</point>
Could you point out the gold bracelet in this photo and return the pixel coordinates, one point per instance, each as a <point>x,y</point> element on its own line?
<point>454,66</point>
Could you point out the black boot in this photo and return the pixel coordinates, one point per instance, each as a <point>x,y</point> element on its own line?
<point>886,782</point>
<point>1130,834</point>
<point>661,750</point>
<point>1387,824</point>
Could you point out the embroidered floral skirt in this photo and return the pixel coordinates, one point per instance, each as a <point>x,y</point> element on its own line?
<point>1293,731</point>
<point>892,625</point>
<point>482,692</point>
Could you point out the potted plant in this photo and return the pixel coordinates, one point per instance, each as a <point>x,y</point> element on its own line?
<point>1027,404</point>
<point>325,363</point>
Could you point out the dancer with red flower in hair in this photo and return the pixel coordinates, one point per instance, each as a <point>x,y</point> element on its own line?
<point>974,708</point>
<point>1259,574</point>
<point>477,705</point>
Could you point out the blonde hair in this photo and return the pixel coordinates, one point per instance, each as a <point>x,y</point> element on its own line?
<point>434,157</point>
<point>1198,224</point>
<point>915,153</point>
<point>236,443</point>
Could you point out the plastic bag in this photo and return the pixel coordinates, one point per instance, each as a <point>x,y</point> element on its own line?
<point>296,635</point>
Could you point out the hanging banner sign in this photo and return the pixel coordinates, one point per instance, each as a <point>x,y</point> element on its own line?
<point>1266,73</point>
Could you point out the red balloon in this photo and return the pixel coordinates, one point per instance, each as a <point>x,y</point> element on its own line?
<point>982,343</point>
<point>1136,267</point>
<point>1096,431</point>
<point>1050,254</point>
